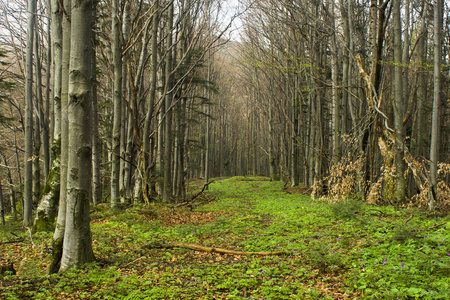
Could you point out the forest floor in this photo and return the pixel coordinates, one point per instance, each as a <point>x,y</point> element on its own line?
<point>317,250</point>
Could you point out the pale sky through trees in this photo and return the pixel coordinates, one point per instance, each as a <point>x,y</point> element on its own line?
<point>232,8</point>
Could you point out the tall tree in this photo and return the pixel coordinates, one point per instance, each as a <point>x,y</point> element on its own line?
<point>77,247</point>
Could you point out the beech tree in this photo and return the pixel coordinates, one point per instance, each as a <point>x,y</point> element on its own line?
<point>77,245</point>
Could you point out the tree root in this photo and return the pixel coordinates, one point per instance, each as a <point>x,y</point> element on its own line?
<point>211,249</point>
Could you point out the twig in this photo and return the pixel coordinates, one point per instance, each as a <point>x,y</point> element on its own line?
<point>187,203</point>
<point>133,261</point>
<point>31,236</point>
<point>409,219</point>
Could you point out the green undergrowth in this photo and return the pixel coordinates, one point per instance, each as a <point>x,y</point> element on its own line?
<point>346,250</point>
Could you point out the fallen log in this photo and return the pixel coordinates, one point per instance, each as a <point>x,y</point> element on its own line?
<point>211,249</point>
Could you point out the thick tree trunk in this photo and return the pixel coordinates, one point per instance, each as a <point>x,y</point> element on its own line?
<point>77,247</point>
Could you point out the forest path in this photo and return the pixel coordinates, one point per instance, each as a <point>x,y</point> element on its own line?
<point>336,251</point>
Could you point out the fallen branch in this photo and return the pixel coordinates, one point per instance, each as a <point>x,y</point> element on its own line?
<point>190,201</point>
<point>12,241</point>
<point>250,218</point>
<point>211,249</point>
<point>409,219</point>
<point>433,227</point>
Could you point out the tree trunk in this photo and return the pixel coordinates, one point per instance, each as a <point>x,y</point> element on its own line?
<point>47,113</point>
<point>422,135</point>
<point>336,114</point>
<point>398,104</point>
<point>38,124</point>
<point>56,24</point>
<point>28,188</point>
<point>58,236</point>
<point>167,183</point>
<point>147,150</point>
<point>11,187</point>
<point>435,120</point>
<point>96,143</point>
<point>77,247</point>
<point>2,206</point>
<point>117,101</point>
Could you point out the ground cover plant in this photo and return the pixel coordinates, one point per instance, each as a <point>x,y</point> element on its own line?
<point>345,250</point>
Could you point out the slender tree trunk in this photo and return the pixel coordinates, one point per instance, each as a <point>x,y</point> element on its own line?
<point>422,84</point>
<point>400,190</point>
<point>77,247</point>
<point>208,126</point>
<point>167,184</point>
<point>2,206</point>
<point>11,188</point>
<point>56,27</point>
<point>28,187</point>
<point>147,150</point>
<point>38,124</point>
<point>336,114</point>
<point>124,111</point>
<point>58,236</point>
<point>96,143</point>
<point>271,137</point>
<point>117,101</point>
<point>435,120</point>
<point>47,119</point>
